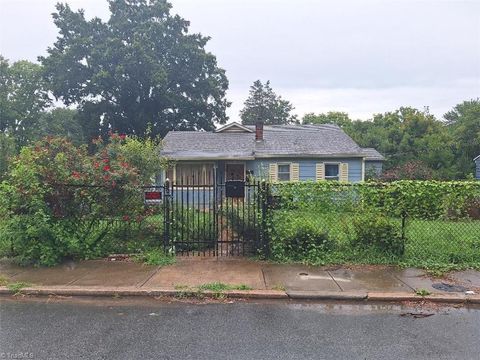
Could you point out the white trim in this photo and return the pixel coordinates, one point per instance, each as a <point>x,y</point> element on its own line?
<point>289,171</point>
<point>234,124</point>
<point>319,157</point>
<point>325,169</point>
<point>210,159</point>
<point>302,156</point>
<point>363,169</point>
<point>478,157</point>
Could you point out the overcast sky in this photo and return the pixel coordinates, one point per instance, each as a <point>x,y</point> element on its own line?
<point>362,57</point>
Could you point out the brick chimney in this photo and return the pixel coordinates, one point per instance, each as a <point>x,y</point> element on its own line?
<point>259,131</point>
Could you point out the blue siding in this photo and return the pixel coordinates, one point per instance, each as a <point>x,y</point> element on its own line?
<point>477,163</point>
<point>307,167</point>
<point>260,167</point>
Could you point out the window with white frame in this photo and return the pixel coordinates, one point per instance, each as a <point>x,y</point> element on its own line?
<point>332,172</point>
<point>283,172</point>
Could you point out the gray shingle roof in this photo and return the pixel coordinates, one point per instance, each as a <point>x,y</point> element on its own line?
<point>279,140</point>
<point>372,154</point>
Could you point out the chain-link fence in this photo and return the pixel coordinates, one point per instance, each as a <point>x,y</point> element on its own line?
<point>416,223</point>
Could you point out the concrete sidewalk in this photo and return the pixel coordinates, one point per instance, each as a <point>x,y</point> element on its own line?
<point>296,281</point>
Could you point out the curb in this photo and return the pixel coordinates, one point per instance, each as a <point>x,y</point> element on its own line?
<point>327,295</point>
<point>112,292</point>
<point>247,294</point>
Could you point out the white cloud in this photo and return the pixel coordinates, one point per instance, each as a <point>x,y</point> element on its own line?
<point>362,103</point>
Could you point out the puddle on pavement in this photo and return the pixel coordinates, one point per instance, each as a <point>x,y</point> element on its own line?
<point>449,287</point>
<point>413,310</point>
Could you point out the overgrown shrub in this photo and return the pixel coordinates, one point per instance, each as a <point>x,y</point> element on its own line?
<point>376,230</point>
<point>60,201</point>
<point>298,239</point>
<point>192,229</point>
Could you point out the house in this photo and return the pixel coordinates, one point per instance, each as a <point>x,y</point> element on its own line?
<point>278,153</point>
<point>477,167</point>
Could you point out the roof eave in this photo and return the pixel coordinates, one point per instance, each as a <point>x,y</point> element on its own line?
<point>338,155</point>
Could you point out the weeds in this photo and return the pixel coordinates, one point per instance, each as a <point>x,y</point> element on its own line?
<point>422,292</point>
<point>3,281</point>
<point>155,257</point>
<point>219,287</point>
<point>16,287</point>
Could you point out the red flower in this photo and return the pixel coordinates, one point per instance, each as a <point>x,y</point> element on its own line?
<point>76,174</point>
<point>123,136</point>
<point>124,164</point>
<point>126,218</point>
<point>105,161</point>
<point>96,164</point>
<point>106,168</point>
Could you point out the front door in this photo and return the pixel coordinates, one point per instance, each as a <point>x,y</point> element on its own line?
<point>235,171</point>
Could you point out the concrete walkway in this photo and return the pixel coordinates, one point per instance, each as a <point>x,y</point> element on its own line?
<point>193,272</point>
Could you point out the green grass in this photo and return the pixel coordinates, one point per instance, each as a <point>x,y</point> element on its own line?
<point>436,245</point>
<point>156,257</point>
<point>422,292</point>
<point>219,287</point>
<point>16,287</point>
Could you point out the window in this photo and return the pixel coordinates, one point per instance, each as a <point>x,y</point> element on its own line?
<point>332,172</point>
<point>192,174</point>
<point>283,172</point>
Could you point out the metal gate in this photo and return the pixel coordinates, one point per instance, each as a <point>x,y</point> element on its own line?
<point>224,219</point>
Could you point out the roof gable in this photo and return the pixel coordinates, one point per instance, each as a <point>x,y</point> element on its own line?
<point>234,127</point>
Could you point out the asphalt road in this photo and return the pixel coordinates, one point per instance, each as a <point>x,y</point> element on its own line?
<point>71,330</point>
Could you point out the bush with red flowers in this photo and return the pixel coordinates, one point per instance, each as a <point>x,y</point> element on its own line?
<point>59,201</point>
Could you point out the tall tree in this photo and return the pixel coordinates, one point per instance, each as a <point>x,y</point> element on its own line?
<point>141,69</point>
<point>464,124</point>
<point>23,97</point>
<point>332,117</point>
<point>264,105</point>
<point>61,122</point>
<point>406,135</point>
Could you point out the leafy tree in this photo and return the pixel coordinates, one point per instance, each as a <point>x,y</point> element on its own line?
<point>464,124</point>
<point>264,105</point>
<point>61,122</point>
<point>141,68</point>
<point>23,97</point>
<point>406,135</point>
<point>7,150</point>
<point>411,170</point>
<point>332,117</point>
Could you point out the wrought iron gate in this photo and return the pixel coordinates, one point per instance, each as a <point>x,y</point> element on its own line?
<point>224,219</point>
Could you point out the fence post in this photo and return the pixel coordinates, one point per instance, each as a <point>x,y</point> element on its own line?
<point>404,224</point>
<point>166,214</point>
<point>264,203</point>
